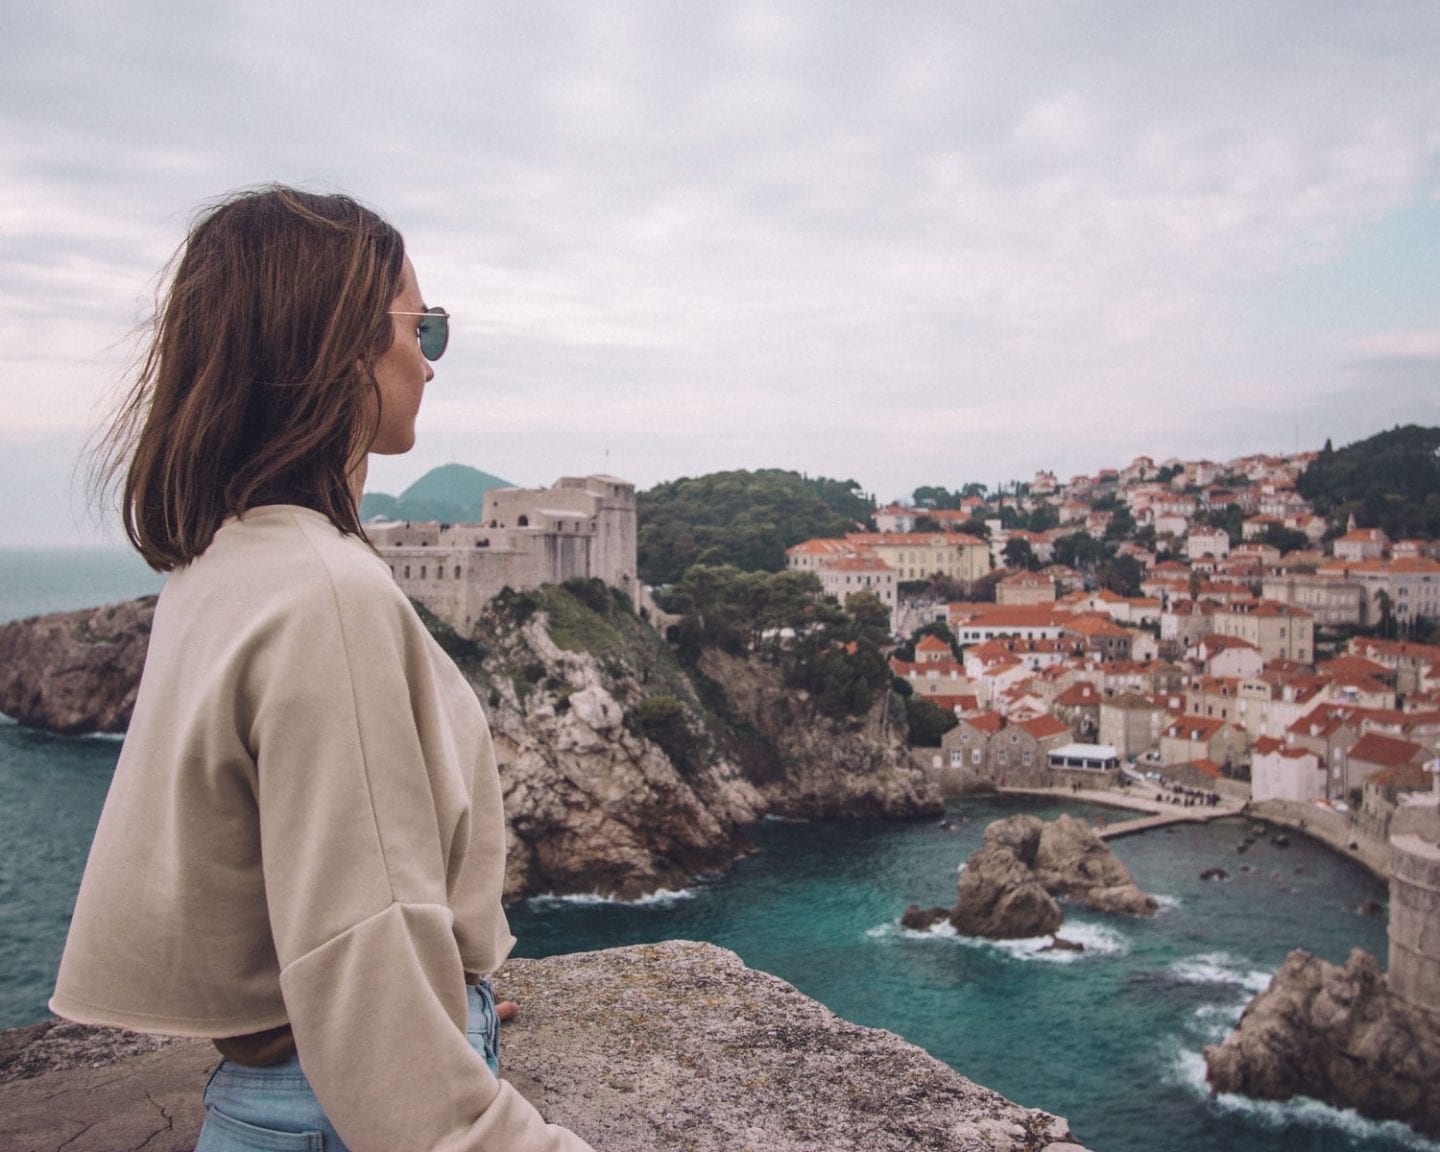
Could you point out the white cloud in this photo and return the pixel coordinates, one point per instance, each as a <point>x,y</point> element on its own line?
<point>910,244</point>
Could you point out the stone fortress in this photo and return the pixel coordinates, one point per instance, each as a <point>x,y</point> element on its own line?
<point>584,527</point>
<point>1414,970</point>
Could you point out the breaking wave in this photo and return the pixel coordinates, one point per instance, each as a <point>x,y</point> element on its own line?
<point>1186,1068</point>
<point>1097,939</point>
<point>661,897</point>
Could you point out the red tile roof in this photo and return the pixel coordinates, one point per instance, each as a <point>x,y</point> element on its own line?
<point>1044,726</point>
<point>1386,751</point>
<point>988,722</point>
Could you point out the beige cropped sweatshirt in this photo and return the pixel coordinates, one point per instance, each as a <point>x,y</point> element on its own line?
<point>305,825</point>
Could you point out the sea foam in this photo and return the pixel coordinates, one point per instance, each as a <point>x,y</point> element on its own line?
<point>1098,940</point>
<point>661,897</point>
<point>1186,1068</point>
<point>1219,968</point>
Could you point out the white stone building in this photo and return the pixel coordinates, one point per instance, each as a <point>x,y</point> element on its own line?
<point>584,527</point>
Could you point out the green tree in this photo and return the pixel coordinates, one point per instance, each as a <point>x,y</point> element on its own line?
<point>1122,575</point>
<point>1389,481</point>
<point>1285,539</point>
<point>745,519</point>
<point>1122,523</point>
<point>928,722</point>
<point>929,496</point>
<point>1041,519</point>
<point>1019,555</point>
<point>1079,550</point>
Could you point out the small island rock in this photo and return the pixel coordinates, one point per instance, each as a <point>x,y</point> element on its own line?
<point>919,919</point>
<point>1008,887</point>
<point>1000,898</point>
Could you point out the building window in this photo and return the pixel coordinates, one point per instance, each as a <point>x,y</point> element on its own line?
<point>457,571</point>
<point>407,571</point>
<point>422,571</point>
<point>975,756</point>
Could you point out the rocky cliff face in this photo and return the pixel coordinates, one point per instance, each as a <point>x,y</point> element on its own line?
<point>621,779</point>
<point>75,672</point>
<point>593,803</point>
<point>1338,1035</point>
<point>807,765</point>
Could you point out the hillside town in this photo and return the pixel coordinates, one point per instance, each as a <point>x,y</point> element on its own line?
<point>1282,665</point>
<point>1233,642</point>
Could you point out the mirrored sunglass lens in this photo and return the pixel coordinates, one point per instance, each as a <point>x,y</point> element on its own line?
<point>434,334</point>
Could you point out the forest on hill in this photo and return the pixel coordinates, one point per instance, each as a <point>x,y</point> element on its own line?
<point>1390,480</point>
<point>742,518</point>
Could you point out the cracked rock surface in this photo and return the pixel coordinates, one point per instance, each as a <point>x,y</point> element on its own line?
<point>672,1046</point>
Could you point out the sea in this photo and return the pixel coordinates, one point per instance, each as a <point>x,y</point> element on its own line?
<point>1110,1038</point>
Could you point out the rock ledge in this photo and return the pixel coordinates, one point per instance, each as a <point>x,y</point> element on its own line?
<point>652,1047</point>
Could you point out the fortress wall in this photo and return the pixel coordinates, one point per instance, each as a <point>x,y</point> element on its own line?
<point>1415,921</point>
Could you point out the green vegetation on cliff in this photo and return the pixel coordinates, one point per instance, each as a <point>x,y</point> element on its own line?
<point>747,519</point>
<point>831,652</point>
<point>1389,481</point>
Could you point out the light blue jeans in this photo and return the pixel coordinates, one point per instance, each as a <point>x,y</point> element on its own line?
<point>273,1109</point>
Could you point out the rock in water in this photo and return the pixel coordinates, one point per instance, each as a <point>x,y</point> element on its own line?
<point>1338,1035</point>
<point>919,919</point>
<point>1000,898</point>
<point>75,672</point>
<point>1072,862</point>
<point>1008,887</point>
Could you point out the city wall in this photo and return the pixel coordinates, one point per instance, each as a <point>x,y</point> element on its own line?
<point>1415,921</point>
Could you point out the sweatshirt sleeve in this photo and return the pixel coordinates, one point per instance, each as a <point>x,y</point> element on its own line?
<point>362,786</point>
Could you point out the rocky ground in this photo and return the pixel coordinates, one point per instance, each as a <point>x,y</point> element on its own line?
<point>644,1049</point>
<point>1338,1035</point>
<point>1012,885</point>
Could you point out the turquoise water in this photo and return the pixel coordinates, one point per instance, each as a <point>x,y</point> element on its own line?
<point>1109,1038</point>
<point>51,791</point>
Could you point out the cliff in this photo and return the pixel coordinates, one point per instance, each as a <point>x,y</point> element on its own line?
<point>1335,1034</point>
<point>623,771</point>
<point>75,672</point>
<point>643,1049</point>
<point>810,766</point>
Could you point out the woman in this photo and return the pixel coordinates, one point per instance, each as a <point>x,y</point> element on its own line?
<point>302,852</point>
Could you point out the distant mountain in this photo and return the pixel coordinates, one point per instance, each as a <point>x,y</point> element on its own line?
<point>452,492</point>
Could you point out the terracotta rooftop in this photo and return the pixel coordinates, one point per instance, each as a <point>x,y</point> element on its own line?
<point>1386,751</point>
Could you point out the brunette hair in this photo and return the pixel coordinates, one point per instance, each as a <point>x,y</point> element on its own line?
<point>257,386</point>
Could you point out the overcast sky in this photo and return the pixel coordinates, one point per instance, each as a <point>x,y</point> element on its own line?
<point>904,243</point>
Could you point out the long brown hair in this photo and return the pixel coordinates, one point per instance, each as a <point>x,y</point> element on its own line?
<point>257,386</point>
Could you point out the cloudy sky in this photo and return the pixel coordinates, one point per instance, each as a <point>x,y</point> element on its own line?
<point>904,243</point>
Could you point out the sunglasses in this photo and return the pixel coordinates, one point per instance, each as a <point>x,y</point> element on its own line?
<point>433,331</point>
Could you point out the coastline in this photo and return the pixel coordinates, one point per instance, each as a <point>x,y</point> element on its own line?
<point>1331,829</point>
